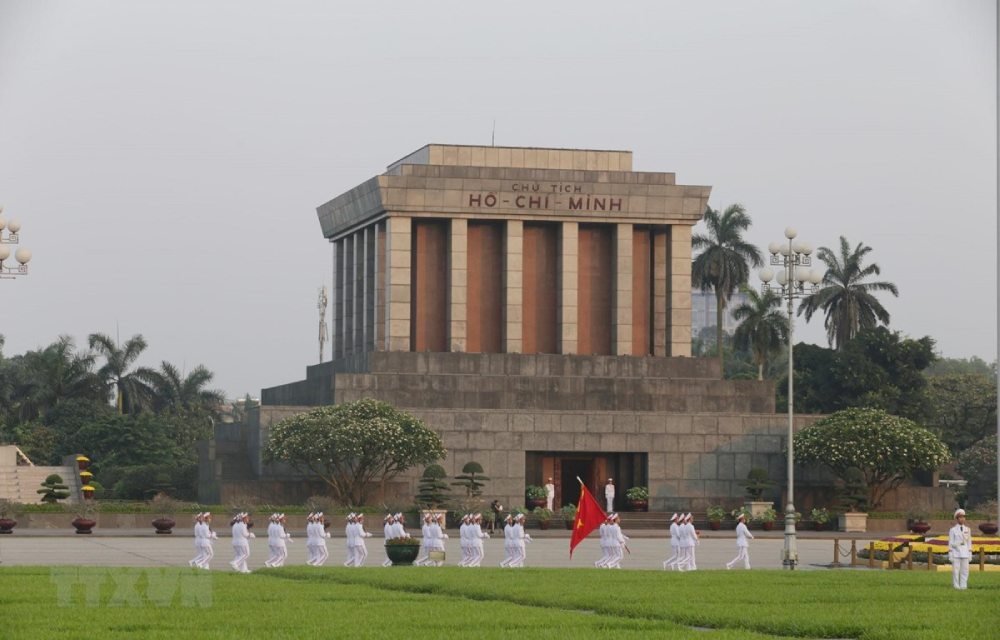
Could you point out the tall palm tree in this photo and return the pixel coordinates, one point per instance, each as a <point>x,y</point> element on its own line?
<point>763,328</point>
<point>172,389</point>
<point>846,299</point>
<point>722,264</point>
<point>55,374</point>
<point>132,393</point>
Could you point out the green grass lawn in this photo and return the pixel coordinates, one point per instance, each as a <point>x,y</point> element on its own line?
<point>449,602</point>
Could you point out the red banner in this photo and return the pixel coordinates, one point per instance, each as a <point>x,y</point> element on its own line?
<point>589,516</point>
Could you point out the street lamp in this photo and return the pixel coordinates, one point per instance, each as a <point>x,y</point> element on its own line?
<point>793,258</point>
<point>22,255</point>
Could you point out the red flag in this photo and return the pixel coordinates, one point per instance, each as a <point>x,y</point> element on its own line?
<point>589,516</point>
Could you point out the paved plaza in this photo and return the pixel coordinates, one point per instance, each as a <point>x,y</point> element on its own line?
<point>549,549</point>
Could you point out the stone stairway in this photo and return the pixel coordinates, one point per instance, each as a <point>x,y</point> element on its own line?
<point>21,483</point>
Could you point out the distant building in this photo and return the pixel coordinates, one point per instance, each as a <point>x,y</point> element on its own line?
<point>703,309</point>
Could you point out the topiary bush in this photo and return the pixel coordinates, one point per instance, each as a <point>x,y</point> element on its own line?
<point>53,489</point>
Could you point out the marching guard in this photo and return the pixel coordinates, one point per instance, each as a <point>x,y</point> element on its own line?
<point>422,556</point>
<point>743,537</point>
<point>671,562</point>
<point>389,532</point>
<point>508,541</point>
<point>478,552</point>
<point>241,542</point>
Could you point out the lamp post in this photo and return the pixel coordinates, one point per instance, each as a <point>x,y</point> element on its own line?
<point>22,255</point>
<point>793,258</point>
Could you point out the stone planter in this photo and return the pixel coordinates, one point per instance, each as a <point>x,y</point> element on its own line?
<point>544,524</point>
<point>819,526</point>
<point>988,528</point>
<point>757,508</point>
<point>638,505</point>
<point>402,554</point>
<point>853,522</point>
<point>536,502</point>
<point>164,525</point>
<point>920,527</point>
<point>7,525</point>
<point>84,525</point>
<point>715,525</point>
<point>767,526</point>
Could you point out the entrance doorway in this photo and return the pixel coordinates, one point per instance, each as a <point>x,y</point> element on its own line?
<point>571,469</point>
<point>593,468</point>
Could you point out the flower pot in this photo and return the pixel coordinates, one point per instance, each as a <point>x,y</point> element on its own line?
<point>638,505</point>
<point>569,524</point>
<point>84,525</point>
<point>544,524</point>
<point>819,526</point>
<point>920,527</point>
<point>767,526</point>
<point>402,554</point>
<point>988,528</point>
<point>715,525</point>
<point>164,525</point>
<point>82,462</point>
<point>536,502</point>
<point>7,525</point>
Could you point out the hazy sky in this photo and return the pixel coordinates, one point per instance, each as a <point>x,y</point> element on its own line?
<point>166,158</point>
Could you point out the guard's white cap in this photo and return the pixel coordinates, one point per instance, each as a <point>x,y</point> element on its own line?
<point>959,512</point>
<point>673,518</point>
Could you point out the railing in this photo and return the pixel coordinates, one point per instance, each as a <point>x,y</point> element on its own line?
<point>895,559</point>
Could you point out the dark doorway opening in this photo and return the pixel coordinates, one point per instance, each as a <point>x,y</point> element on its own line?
<point>571,468</point>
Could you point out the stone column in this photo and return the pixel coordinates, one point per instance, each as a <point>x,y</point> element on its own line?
<point>661,261</point>
<point>513,272</point>
<point>458,284</point>
<point>348,294</point>
<point>621,335</point>
<point>679,303</point>
<point>398,231</point>
<point>569,283</point>
<point>337,328</point>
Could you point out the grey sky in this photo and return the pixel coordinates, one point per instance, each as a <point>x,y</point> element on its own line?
<point>165,159</point>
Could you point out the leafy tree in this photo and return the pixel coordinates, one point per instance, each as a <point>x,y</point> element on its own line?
<point>847,300</point>
<point>132,393</point>
<point>722,264</point>
<point>962,366</point>
<point>432,490</point>
<point>879,369</point>
<point>53,489</point>
<point>42,379</point>
<point>763,328</point>
<point>757,483</point>
<point>171,390</point>
<point>978,465</point>
<point>963,408</point>
<point>352,445</point>
<point>886,449</point>
<point>471,479</point>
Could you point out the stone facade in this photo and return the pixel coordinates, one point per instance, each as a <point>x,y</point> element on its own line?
<point>533,306</point>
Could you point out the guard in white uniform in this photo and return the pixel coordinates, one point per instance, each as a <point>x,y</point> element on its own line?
<point>602,562</point>
<point>550,494</point>
<point>465,540</point>
<point>323,535</point>
<point>684,544</point>
<point>349,534</point>
<point>199,549</point>
<point>274,532</point>
<point>389,532</point>
<point>692,542</point>
<point>960,551</point>
<point>508,541</point>
<point>241,542</point>
<point>617,541</point>
<point>208,541</point>
<point>609,495</point>
<point>424,542</point>
<point>437,537</point>
<point>671,562</point>
<point>743,537</point>
<point>360,548</point>
<point>478,552</point>
<point>520,540</point>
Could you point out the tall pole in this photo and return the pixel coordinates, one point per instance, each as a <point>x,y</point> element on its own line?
<point>790,556</point>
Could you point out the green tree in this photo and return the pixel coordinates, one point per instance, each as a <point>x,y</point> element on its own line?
<point>172,390</point>
<point>962,366</point>
<point>886,449</point>
<point>978,465</point>
<point>432,490</point>
<point>354,445</point>
<point>722,265</point>
<point>53,489</point>
<point>847,300</point>
<point>132,393</point>
<point>963,408</point>
<point>471,479</point>
<point>763,328</point>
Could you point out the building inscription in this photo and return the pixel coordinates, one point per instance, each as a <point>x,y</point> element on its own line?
<point>540,195</point>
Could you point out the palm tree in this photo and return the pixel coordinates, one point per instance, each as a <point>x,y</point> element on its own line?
<point>172,389</point>
<point>846,299</point>
<point>55,374</point>
<point>764,328</point>
<point>722,264</point>
<point>132,393</point>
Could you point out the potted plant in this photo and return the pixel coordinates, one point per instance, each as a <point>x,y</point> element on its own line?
<point>757,482</point>
<point>402,551</point>
<point>766,518</point>
<point>86,513</point>
<point>534,496</point>
<point>638,498</point>
<point>820,518</point>
<point>569,514</point>
<point>471,479</point>
<point>165,506</point>
<point>432,490</point>
<point>543,516</point>
<point>916,521</point>
<point>854,501</point>
<point>82,462</point>
<point>53,489</point>
<point>7,523</point>
<point>715,515</point>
